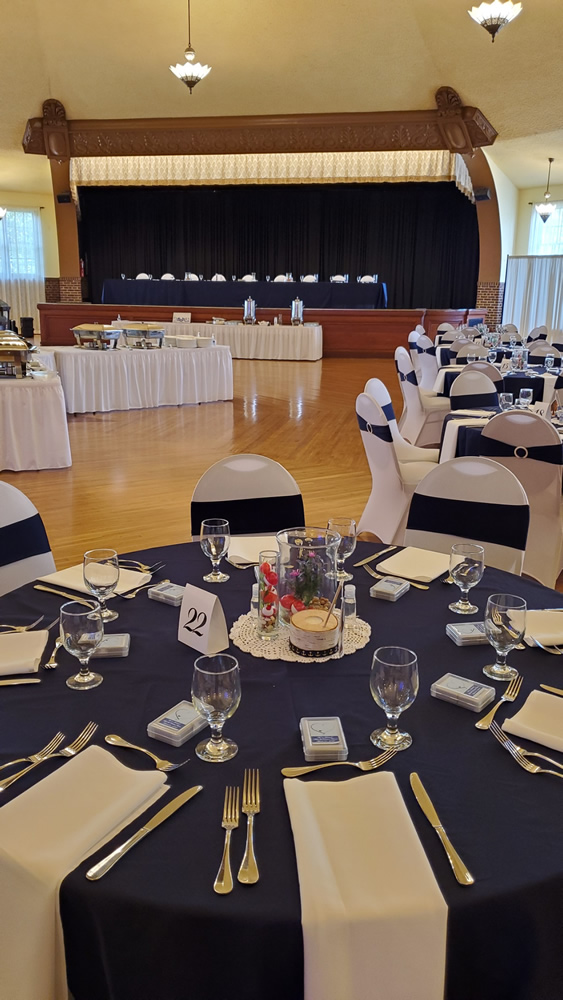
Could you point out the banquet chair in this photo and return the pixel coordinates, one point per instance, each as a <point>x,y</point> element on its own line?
<point>477,349</point>
<point>427,363</point>
<point>508,335</point>
<point>472,390</point>
<point>538,333</point>
<point>488,369</point>
<point>253,493</point>
<point>218,277</point>
<point>310,277</point>
<point>391,484</point>
<point>457,344</point>
<point>280,277</point>
<point>412,342</point>
<point>339,278</point>
<point>142,276</point>
<point>405,452</point>
<point>473,500</point>
<point>423,413</point>
<point>445,328</point>
<point>25,552</point>
<point>367,279</point>
<point>248,277</point>
<point>530,447</point>
<point>167,277</point>
<point>191,276</point>
<point>540,350</point>
<point>420,329</point>
<point>510,327</point>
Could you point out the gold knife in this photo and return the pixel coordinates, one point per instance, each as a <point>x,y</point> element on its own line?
<point>24,680</point>
<point>546,687</point>
<point>104,866</point>
<point>362,562</point>
<point>64,593</point>
<point>461,873</point>
<point>380,576</point>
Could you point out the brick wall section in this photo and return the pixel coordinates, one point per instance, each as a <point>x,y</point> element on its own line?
<point>70,290</point>
<point>490,295</point>
<point>52,290</point>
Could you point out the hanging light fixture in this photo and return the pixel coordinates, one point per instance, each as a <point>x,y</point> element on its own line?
<point>191,72</point>
<point>493,16</point>
<point>2,213</point>
<point>545,208</point>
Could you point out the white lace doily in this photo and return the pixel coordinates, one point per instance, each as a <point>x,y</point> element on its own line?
<point>243,633</point>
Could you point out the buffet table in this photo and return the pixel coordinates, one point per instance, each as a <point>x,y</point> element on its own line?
<point>154,928</point>
<point>122,379</point>
<point>267,343</point>
<point>276,294</point>
<point>33,424</point>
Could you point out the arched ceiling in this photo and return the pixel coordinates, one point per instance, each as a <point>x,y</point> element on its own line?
<point>110,60</point>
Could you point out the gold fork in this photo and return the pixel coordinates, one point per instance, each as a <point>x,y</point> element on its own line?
<point>363,765</point>
<point>511,745</point>
<point>33,757</point>
<point>24,628</point>
<point>133,593</point>
<point>520,759</point>
<point>70,751</point>
<point>231,813</point>
<point>248,871</point>
<point>161,765</point>
<point>510,694</point>
<point>379,576</point>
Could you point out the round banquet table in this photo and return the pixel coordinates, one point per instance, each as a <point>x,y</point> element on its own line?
<point>154,928</point>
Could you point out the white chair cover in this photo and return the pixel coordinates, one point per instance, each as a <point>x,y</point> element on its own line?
<point>538,333</point>
<point>457,344</point>
<point>489,370</point>
<point>472,390</point>
<point>420,329</point>
<point>192,276</point>
<point>471,499</point>
<point>218,277</point>
<point>423,414</point>
<point>338,277</point>
<point>530,447</point>
<point>445,328</point>
<point>167,277</point>
<point>253,493</point>
<point>25,553</point>
<point>248,277</point>
<point>412,341</point>
<point>508,335</point>
<point>142,276</point>
<point>541,349</point>
<point>427,361</point>
<point>466,349</point>
<point>367,279</point>
<point>510,327</point>
<point>405,452</point>
<point>310,277</point>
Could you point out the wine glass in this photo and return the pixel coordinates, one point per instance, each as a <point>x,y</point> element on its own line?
<point>466,567</point>
<point>82,630</point>
<point>505,625</point>
<point>525,398</point>
<point>492,355</point>
<point>394,686</point>
<point>101,576</point>
<point>549,361</point>
<point>215,536</point>
<point>346,528</point>
<point>216,696</point>
<point>506,400</point>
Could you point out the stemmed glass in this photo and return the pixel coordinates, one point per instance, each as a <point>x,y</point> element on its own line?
<point>549,362</point>
<point>506,400</point>
<point>101,576</point>
<point>394,686</point>
<point>82,630</point>
<point>467,563</point>
<point>216,696</point>
<point>492,355</point>
<point>215,536</point>
<point>505,625</point>
<point>346,528</point>
<point>525,398</point>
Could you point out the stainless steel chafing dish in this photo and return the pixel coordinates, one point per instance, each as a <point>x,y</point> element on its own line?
<point>14,354</point>
<point>96,336</point>
<point>143,335</point>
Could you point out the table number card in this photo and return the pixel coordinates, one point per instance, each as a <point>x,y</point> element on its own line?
<point>202,622</point>
<point>543,409</point>
<point>505,366</point>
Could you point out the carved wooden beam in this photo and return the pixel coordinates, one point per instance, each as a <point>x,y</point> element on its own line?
<point>451,125</point>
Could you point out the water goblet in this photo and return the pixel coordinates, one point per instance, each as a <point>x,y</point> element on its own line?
<point>549,361</point>
<point>492,355</point>
<point>394,686</point>
<point>346,528</point>
<point>82,630</point>
<point>216,696</point>
<point>215,536</point>
<point>466,567</point>
<point>506,400</point>
<point>471,358</point>
<point>513,340</point>
<point>100,568</point>
<point>525,397</point>
<point>505,625</point>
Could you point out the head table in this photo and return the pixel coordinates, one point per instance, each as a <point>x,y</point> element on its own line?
<point>154,928</point>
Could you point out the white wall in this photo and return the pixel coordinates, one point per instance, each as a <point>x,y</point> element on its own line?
<point>507,197</point>
<point>45,201</point>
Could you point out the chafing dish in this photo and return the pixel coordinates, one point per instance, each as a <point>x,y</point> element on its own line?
<point>96,336</point>
<point>14,355</point>
<point>146,336</point>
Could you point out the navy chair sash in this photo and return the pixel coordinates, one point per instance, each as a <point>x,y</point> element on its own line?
<point>501,524</point>
<point>388,411</point>
<point>491,448</point>
<point>475,402</point>
<point>409,377</point>
<point>257,515</point>
<point>22,540</point>
<point>426,350</point>
<point>532,340</point>
<point>380,432</point>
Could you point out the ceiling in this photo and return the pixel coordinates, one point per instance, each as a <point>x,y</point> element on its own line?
<point>109,60</point>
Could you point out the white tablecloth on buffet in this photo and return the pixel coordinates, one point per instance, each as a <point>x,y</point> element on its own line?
<point>97,381</point>
<point>266,343</point>
<point>33,425</point>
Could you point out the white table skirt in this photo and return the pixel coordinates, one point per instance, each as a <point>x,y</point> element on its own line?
<point>33,424</point>
<point>98,381</point>
<point>46,357</point>
<point>266,343</point>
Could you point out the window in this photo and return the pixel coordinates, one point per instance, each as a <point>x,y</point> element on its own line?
<point>547,237</point>
<point>21,246</point>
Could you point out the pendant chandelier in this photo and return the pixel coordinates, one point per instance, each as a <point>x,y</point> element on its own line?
<point>2,213</point>
<point>190,72</point>
<point>545,208</point>
<point>493,16</point>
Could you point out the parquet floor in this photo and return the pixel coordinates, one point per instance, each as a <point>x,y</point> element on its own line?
<point>133,472</point>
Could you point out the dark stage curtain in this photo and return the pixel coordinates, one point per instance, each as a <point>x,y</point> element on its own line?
<point>421,238</point>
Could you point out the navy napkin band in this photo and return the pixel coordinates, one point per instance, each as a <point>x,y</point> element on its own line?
<point>22,540</point>
<point>257,515</point>
<point>491,448</point>
<point>380,432</point>
<point>475,402</point>
<point>501,524</point>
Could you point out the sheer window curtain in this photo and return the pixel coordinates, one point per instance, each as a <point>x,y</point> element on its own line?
<point>547,237</point>
<point>22,270</point>
<point>533,293</point>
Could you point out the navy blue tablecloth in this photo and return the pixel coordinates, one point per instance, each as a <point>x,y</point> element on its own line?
<point>510,383</point>
<point>153,929</point>
<point>267,294</point>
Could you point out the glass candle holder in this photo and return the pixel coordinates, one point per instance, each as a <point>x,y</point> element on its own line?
<point>268,597</point>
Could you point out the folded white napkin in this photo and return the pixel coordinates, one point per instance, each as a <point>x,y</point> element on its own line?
<point>374,919</point>
<point>45,833</point>
<point>73,579</point>
<point>21,652</point>
<point>421,565</point>
<point>246,548</point>
<point>545,626</point>
<point>540,719</point>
